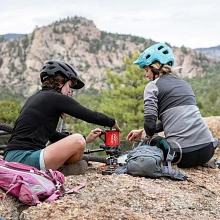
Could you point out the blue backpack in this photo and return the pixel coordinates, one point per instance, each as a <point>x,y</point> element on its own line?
<point>151,161</point>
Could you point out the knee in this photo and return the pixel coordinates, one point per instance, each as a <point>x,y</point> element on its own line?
<point>79,141</point>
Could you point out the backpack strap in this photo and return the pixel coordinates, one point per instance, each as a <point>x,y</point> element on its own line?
<point>75,189</point>
<point>174,174</point>
<point>19,181</point>
<point>54,196</point>
<point>24,191</point>
<point>169,155</point>
<point>58,178</point>
<point>2,197</point>
<point>58,193</point>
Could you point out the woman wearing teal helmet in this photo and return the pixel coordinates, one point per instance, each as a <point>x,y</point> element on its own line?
<point>158,58</point>
<point>172,101</point>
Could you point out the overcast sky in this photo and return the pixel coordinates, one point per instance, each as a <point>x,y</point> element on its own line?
<point>192,23</point>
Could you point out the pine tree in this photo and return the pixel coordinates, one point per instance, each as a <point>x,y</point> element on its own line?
<point>9,111</point>
<point>124,101</point>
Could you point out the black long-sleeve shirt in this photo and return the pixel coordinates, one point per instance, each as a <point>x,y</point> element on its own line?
<point>39,117</point>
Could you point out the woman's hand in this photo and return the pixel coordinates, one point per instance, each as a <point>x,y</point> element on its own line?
<point>116,126</point>
<point>143,135</point>
<point>134,134</point>
<point>93,135</point>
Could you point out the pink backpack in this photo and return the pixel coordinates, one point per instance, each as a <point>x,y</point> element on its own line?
<point>30,185</point>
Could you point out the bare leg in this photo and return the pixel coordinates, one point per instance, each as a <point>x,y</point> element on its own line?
<point>67,150</point>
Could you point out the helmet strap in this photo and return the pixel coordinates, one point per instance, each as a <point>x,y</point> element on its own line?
<point>64,82</point>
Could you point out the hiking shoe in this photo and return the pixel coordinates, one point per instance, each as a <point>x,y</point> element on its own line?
<point>211,163</point>
<point>85,157</point>
<point>77,168</point>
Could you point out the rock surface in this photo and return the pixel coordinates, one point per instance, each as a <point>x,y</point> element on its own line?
<point>127,197</point>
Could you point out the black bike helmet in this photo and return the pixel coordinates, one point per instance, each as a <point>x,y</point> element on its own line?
<point>53,67</point>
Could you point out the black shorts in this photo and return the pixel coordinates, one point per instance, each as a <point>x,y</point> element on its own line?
<point>197,157</point>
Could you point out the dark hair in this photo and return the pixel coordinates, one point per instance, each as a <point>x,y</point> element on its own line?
<point>55,81</point>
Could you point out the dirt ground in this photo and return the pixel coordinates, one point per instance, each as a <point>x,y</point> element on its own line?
<point>126,197</point>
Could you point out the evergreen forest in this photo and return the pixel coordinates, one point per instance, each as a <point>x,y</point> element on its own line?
<point>123,99</point>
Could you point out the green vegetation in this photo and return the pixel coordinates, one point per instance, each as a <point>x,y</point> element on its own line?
<point>207,93</point>
<point>25,42</point>
<point>95,46</point>
<point>9,111</point>
<point>10,106</point>
<point>203,61</point>
<point>124,101</point>
<point>2,39</point>
<point>110,42</point>
<point>183,49</point>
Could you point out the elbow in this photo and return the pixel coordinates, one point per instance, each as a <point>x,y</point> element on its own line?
<point>150,125</point>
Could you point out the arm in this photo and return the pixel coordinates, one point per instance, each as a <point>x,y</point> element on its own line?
<point>141,133</point>
<point>159,127</point>
<point>93,135</point>
<point>135,134</point>
<point>150,108</point>
<point>65,104</point>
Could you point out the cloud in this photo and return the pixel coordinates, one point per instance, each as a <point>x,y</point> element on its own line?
<point>192,23</point>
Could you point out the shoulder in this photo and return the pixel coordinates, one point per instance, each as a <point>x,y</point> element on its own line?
<point>59,98</point>
<point>152,84</point>
<point>167,81</point>
<point>54,97</point>
<point>151,87</point>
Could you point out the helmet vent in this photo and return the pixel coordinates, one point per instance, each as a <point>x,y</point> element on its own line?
<point>165,52</point>
<point>51,63</point>
<point>161,47</point>
<point>71,68</point>
<point>51,67</point>
<point>148,56</point>
<point>59,72</point>
<point>63,67</point>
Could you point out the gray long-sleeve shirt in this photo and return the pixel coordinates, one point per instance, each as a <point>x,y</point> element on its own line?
<point>172,101</point>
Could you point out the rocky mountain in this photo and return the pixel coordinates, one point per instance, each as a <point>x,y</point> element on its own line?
<point>79,42</point>
<point>211,51</point>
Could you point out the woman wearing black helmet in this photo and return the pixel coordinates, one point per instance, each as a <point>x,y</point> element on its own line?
<point>39,117</point>
<point>172,101</point>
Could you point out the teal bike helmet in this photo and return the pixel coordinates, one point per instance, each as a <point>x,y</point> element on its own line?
<point>157,52</point>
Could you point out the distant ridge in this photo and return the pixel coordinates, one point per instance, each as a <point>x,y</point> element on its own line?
<point>211,51</point>
<point>12,36</point>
